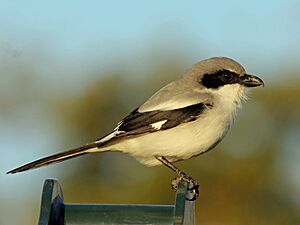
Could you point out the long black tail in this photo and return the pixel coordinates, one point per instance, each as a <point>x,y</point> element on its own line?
<point>56,158</point>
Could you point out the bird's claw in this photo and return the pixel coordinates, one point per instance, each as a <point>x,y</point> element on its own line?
<point>192,189</point>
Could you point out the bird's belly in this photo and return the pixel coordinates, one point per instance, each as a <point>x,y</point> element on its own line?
<point>178,143</point>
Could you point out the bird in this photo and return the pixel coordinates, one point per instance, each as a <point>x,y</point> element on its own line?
<point>184,119</point>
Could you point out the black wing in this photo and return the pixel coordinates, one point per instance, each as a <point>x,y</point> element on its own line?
<point>141,122</point>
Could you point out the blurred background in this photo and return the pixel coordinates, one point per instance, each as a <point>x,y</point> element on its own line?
<point>70,70</point>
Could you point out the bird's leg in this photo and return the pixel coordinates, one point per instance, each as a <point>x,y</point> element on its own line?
<point>193,186</point>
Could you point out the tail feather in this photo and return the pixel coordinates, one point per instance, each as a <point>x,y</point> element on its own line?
<point>55,158</point>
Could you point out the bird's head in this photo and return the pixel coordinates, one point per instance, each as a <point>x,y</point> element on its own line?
<point>222,77</point>
<point>218,72</point>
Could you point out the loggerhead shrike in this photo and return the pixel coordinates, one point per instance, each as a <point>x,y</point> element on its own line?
<point>184,119</point>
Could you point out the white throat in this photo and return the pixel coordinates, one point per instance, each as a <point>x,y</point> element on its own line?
<point>230,95</point>
<point>228,99</point>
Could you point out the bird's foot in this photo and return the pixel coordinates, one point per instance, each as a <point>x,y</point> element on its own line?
<point>192,188</point>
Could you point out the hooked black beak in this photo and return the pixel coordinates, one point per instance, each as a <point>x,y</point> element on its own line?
<point>251,81</point>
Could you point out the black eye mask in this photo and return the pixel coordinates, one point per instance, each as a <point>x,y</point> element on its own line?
<point>219,79</point>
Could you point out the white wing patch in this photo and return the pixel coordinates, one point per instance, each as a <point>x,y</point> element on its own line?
<point>116,132</point>
<point>158,125</point>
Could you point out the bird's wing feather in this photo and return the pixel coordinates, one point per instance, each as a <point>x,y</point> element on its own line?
<point>143,122</point>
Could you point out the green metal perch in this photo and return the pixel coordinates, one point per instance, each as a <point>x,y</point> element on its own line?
<point>55,212</point>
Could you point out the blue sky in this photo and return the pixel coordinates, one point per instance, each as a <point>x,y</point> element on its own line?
<point>262,32</point>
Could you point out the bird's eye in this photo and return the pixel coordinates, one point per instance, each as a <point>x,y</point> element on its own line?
<point>227,77</point>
